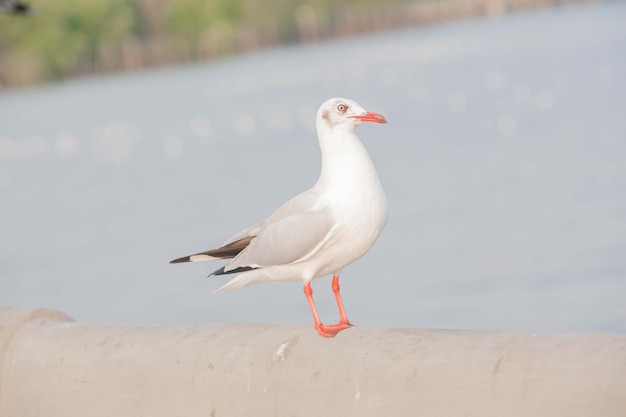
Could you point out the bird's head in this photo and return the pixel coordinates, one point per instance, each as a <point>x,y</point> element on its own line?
<point>344,114</point>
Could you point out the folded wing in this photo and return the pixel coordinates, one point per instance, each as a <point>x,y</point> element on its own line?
<point>292,239</point>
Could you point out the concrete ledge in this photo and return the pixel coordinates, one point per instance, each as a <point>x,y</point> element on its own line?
<point>54,367</point>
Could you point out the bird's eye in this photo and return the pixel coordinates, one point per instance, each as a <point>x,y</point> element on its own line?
<point>342,107</point>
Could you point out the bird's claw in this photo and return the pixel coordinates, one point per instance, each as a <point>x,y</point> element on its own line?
<point>331,330</point>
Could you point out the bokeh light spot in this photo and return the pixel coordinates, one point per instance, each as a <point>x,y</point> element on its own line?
<point>66,145</point>
<point>507,126</point>
<point>545,100</point>
<point>245,125</point>
<point>173,147</point>
<point>457,103</point>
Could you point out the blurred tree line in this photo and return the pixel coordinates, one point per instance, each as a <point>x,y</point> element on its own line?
<point>65,38</point>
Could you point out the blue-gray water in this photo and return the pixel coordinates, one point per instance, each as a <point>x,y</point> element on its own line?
<point>504,162</point>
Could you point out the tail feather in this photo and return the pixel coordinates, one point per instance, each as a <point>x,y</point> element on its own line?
<point>252,276</point>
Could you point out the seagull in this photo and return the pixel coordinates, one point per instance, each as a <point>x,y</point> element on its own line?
<point>320,231</point>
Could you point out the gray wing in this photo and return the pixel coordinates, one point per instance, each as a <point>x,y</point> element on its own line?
<point>285,241</point>
<point>299,204</point>
<point>307,201</point>
<point>237,243</point>
<point>248,233</point>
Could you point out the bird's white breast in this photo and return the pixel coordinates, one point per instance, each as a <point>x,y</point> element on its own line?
<point>351,191</point>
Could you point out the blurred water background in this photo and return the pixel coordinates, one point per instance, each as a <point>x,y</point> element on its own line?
<point>504,163</point>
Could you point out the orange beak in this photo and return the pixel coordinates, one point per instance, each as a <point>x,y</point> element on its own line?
<point>371,117</point>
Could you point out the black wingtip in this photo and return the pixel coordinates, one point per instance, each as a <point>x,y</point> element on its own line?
<point>181,260</point>
<point>232,271</point>
<point>217,272</point>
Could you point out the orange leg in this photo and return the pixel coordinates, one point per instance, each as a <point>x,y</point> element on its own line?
<point>343,318</point>
<point>333,329</point>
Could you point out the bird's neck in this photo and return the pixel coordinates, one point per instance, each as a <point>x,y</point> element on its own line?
<point>345,161</point>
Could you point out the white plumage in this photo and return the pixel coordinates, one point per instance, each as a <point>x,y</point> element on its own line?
<point>322,230</point>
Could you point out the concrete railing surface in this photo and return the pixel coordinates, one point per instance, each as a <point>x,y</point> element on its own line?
<point>51,366</point>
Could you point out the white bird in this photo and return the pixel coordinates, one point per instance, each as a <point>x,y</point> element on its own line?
<point>322,230</point>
